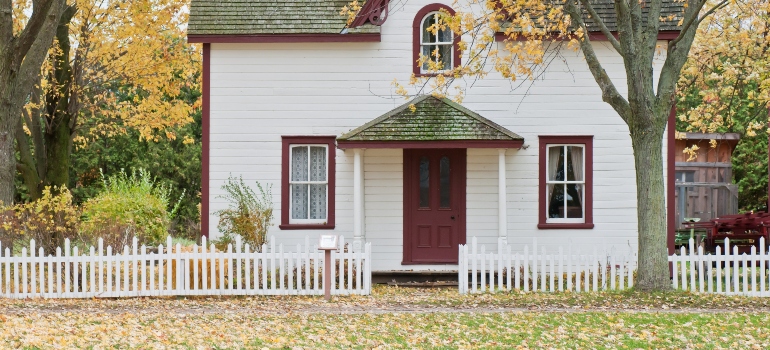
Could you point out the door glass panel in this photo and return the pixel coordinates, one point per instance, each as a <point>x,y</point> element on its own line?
<point>444,188</point>
<point>424,182</point>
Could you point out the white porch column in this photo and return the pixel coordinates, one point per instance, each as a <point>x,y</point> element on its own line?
<point>358,199</point>
<point>502,208</point>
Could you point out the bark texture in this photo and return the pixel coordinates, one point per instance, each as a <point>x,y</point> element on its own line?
<point>50,126</point>
<point>645,110</point>
<point>21,56</point>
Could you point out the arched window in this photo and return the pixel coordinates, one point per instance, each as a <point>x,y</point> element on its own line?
<point>441,46</point>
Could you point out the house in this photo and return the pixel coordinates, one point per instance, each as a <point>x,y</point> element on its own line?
<point>295,98</point>
<point>704,183</point>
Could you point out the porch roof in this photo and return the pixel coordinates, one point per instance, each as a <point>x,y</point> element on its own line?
<point>430,122</point>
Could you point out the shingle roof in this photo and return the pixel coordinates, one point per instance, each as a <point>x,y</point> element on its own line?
<point>433,119</point>
<point>228,17</point>
<point>606,11</point>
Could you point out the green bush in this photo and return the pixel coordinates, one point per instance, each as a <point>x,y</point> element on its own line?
<point>130,205</point>
<point>247,215</point>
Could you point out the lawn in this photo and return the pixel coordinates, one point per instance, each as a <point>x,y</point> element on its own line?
<point>393,318</point>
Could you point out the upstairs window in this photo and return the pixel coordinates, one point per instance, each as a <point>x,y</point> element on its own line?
<point>439,45</point>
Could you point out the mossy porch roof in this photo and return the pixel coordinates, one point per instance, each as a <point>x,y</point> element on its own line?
<point>244,17</point>
<point>433,119</point>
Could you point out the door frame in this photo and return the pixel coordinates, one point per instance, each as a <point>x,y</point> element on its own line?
<point>409,197</point>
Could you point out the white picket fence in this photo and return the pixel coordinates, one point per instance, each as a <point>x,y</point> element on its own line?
<point>181,271</point>
<point>722,273</point>
<point>566,270</point>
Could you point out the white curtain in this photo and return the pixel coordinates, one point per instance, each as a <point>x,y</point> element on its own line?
<point>299,192</point>
<point>317,191</point>
<point>553,166</point>
<point>576,155</point>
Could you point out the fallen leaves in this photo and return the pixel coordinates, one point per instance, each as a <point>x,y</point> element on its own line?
<point>392,318</point>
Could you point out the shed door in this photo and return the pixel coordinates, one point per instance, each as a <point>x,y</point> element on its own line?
<point>434,205</point>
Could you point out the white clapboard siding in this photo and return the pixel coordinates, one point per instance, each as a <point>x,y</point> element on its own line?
<point>725,272</point>
<point>541,270</point>
<point>174,270</point>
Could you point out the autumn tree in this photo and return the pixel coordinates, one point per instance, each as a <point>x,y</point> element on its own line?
<point>644,103</point>
<point>725,87</point>
<point>24,43</point>
<point>114,65</point>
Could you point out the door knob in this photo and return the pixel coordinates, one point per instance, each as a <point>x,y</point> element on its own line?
<point>452,217</point>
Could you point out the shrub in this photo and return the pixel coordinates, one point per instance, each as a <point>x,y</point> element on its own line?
<point>48,220</point>
<point>247,215</point>
<point>129,206</point>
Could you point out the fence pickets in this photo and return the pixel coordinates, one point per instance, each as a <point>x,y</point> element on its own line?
<point>724,272</point>
<point>177,271</point>
<point>540,271</point>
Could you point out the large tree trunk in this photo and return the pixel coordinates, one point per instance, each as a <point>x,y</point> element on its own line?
<point>20,59</point>
<point>651,209</point>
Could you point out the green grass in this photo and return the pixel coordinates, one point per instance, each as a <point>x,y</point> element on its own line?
<point>573,330</point>
<point>606,320</point>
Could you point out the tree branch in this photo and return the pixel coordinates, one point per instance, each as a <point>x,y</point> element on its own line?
<point>603,27</point>
<point>42,10</point>
<point>694,19</point>
<point>610,93</point>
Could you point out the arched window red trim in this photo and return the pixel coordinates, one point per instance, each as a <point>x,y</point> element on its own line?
<point>416,38</point>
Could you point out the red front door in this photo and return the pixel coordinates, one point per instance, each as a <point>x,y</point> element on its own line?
<point>434,205</point>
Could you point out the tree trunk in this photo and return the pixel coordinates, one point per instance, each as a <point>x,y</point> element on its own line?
<point>651,209</point>
<point>7,155</point>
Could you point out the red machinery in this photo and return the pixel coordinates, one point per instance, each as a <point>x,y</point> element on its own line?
<point>743,230</point>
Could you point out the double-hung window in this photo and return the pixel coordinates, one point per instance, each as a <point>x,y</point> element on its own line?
<point>566,182</point>
<point>308,183</point>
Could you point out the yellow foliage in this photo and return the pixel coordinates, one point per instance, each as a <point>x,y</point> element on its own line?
<point>48,220</point>
<point>729,58</point>
<point>131,60</point>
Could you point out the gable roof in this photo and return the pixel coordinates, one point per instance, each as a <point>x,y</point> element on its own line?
<point>255,17</point>
<point>433,119</point>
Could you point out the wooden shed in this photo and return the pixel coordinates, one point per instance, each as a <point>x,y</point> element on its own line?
<point>704,187</point>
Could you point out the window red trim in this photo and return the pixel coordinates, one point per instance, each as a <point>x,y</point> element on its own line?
<point>416,38</point>
<point>285,200</point>
<point>588,141</point>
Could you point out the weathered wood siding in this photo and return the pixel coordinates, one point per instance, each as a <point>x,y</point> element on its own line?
<point>262,91</point>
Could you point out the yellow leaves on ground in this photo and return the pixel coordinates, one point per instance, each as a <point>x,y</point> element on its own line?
<point>394,318</point>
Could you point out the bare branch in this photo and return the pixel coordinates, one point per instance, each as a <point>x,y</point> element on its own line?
<point>610,93</point>
<point>693,19</point>
<point>602,26</point>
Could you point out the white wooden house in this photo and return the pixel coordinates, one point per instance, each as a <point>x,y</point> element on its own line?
<point>295,98</point>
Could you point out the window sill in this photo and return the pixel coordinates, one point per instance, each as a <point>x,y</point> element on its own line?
<point>306,227</point>
<point>424,75</point>
<point>563,226</point>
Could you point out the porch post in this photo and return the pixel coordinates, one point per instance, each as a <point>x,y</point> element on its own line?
<point>358,199</point>
<point>502,217</point>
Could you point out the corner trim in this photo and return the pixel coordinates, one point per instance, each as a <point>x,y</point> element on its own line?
<point>205,139</point>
